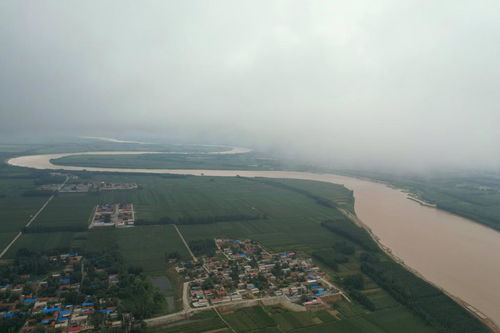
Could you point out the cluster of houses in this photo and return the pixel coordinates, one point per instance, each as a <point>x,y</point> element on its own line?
<point>243,270</point>
<point>87,187</point>
<point>44,304</point>
<point>114,215</point>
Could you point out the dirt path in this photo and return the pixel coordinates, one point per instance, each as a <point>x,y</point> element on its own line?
<point>185,243</point>
<point>224,321</point>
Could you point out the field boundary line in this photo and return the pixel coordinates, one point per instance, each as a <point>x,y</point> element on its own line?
<point>10,244</point>
<point>92,218</point>
<point>224,321</point>
<point>32,219</point>
<point>185,243</point>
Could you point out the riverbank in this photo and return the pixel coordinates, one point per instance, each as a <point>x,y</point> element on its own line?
<point>478,314</point>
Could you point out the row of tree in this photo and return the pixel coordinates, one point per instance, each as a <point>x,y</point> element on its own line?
<point>202,219</point>
<point>318,199</point>
<point>427,301</point>
<point>352,232</point>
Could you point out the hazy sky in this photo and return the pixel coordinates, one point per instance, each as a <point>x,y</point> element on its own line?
<point>367,82</point>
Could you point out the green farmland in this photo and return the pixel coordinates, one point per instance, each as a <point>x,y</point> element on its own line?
<point>249,161</point>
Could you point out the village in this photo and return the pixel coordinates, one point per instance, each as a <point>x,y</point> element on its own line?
<point>57,302</point>
<point>242,270</point>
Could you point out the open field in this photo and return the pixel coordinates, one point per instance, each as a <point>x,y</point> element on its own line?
<point>203,322</point>
<point>16,205</point>
<point>276,319</point>
<point>15,209</point>
<point>248,161</point>
<point>141,246</point>
<point>68,210</point>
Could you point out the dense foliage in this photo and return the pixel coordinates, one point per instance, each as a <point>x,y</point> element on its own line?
<point>62,228</point>
<point>352,232</point>
<point>319,200</point>
<point>202,219</point>
<point>203,247</point>
<point>425,300</point>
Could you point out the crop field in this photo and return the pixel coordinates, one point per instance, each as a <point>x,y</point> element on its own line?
<point>43,241</point>
<point>141,246</point>
<point>397,318</point>
<point>292,222</point>
<point>160,197</point>
<point>291,215</point>
<point>68,210</point>
<point>202,322</point>
<point>249,319</point>
<point>16,209</point>
<point>249,161</point>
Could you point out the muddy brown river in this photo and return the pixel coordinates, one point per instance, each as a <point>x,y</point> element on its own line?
<point>454,253</point>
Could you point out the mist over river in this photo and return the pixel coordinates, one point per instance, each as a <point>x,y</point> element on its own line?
<point>454,253</point>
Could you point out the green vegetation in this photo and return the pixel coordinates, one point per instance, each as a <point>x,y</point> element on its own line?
<point>249,319</point>
<point>429,302</point>
<point>351,232</point>
<point>202,322</point>
<point>100,278</point>
<point>289,215</point>
<point>15,207</point>
<point>202,219</point>
<point>68,212</point>
<point>203,247</point>
<point>249,161</point>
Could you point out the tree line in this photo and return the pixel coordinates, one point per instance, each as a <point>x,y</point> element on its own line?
<point>202,219</point>
<point>425,300</point>
<point>318,199</point>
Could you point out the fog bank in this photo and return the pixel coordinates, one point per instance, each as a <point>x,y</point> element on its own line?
<point>400,84</point>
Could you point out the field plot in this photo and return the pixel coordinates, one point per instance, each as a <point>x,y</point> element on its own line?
<point>43,241</point>
<point>16,207</point>
<point>182,198</point>
<point>207,321</point>
<point>249,319</point>
<point>145,247</point>
<point>341,196</point>
<point>67,212</point>
<point>248,161</point>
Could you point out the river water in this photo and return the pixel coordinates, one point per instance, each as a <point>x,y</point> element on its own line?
<point>455,253</point>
